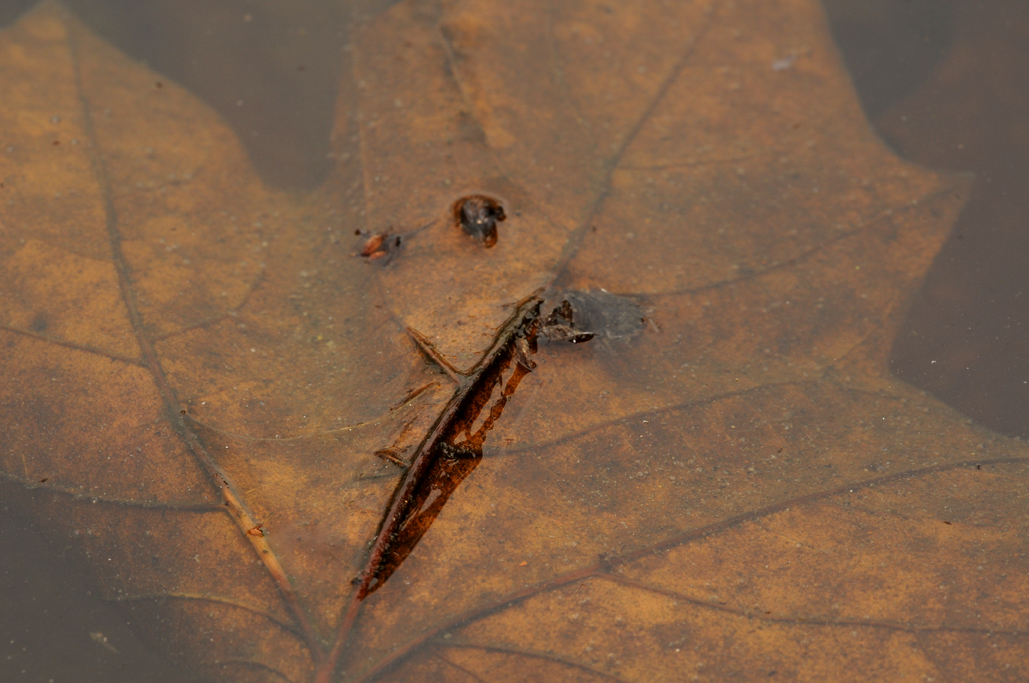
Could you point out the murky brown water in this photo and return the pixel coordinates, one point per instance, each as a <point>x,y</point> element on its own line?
<point>944,83</point>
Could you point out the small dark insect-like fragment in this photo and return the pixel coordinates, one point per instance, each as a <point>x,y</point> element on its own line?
<point>560,326</point>
<point>581,316</point>
<point>478,216</point>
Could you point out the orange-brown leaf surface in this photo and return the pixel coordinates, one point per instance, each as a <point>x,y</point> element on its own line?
<point>221,404</point>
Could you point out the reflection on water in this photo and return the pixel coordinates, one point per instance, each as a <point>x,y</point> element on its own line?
<point>273,70</point>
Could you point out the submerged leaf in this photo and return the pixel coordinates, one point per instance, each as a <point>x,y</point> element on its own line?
<point>230,417</point>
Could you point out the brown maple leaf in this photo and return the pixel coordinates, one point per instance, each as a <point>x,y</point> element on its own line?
<point>207,381</point>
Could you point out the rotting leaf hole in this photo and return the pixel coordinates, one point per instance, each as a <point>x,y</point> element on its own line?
<point>478,216</point>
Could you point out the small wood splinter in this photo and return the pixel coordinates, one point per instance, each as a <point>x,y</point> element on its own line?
<point>391,455</point>
<point>427,348</point>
